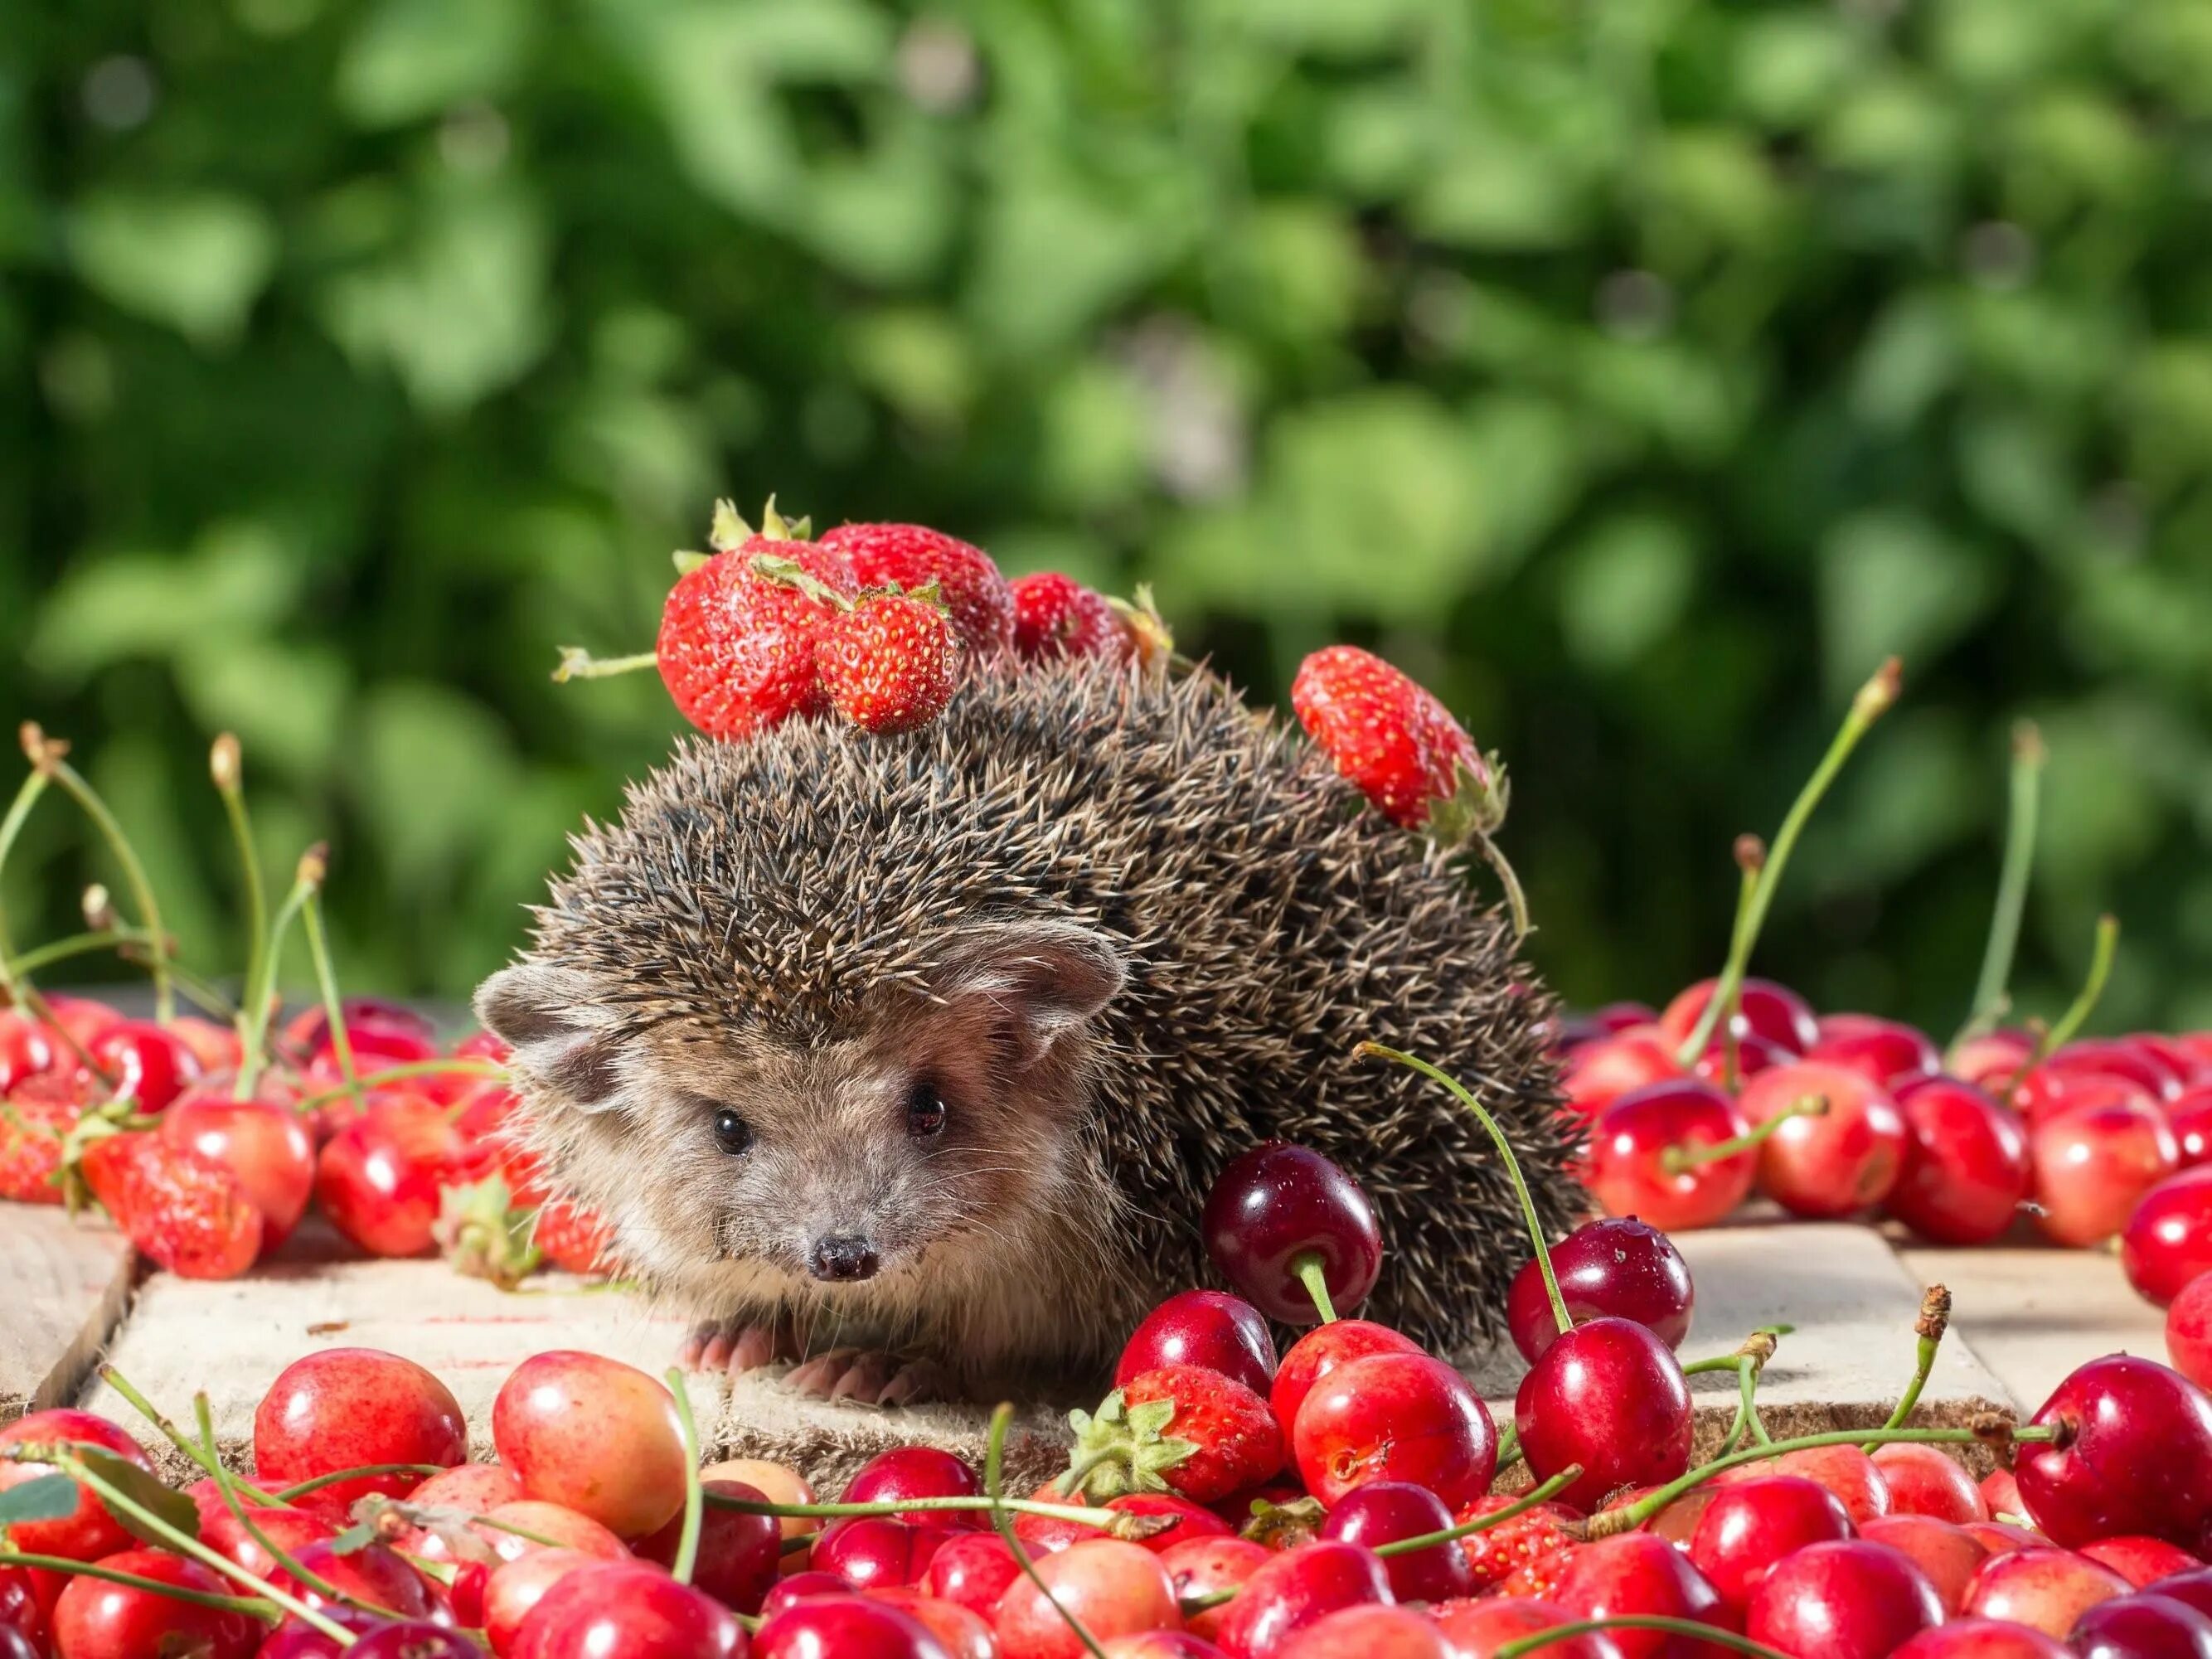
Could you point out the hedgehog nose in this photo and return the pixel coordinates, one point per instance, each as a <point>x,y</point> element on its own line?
<point>843,1257</point>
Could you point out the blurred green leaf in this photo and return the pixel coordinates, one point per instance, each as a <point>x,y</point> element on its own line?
<point>409,58</point>
<point>1624,586</point>
<point>236,580</point>
<point>194,261</point>
<point>434,769</point>
<point>1893,583</point>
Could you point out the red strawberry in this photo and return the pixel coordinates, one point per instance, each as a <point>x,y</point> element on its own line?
<point>34,1124</point>
<point>1181,1428</point>
<point>574,1239</point>
<point>909,557</point>
<point>737,650</point>
<point>1524,1556</point>
<point>890,664</point>
<point>1055,615</point>
<point>182,1210</point>
<point>1384,733</point>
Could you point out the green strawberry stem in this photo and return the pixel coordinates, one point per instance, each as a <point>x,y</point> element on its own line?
<point>1867,707</point>
<point>1652,1621</point>
<point>1308,1266</point>
<point>687,1540</point>
<point>2092,988</point>
<point>1935,1320</point>
<point>1681,1156</point>
<point>209,1465</point>
<point>1520,1505</point>
<point>251,1605</point>
<point>326,979</point>
<point>121,1504</point>
<point>260,1004</point>
<point>1002,1417</point>
<point>291,1495</point>
<point>578,664</point>
<point>47,755</point>
<point>226,1484</point>
<point>483,1068</point>
<point>1512,1168</point>
<point>1991,999</point>
<point>226,765</point>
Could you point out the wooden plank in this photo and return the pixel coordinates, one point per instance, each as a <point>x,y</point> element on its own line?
<point>64,1284</point>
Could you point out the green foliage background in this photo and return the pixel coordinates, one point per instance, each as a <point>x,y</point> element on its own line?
<point>1639,373</point>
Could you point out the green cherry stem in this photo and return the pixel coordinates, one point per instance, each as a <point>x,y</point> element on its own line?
<point>1750,860</point>
<point>1867,707</point>
<point>259,1006</point>
<point>326,980</point>
<point>227,767</point>
<point>208,1463</point>
<point>1520,1505</point>
<point>251,1605</point>
<point>1652,1621</point>
<point>1308,1266</point>
<point>1935,1320</point>
<point>1002,1417</point>
<point>14,983</point>
<point>695,1509</point>
<point>1106,1521</point>
<point>228,1486</point>
<point>1679,1157</point>
<point>1991,994</point>
<point>78,944</point>
<point>2093,989</point>
<point>293,1494</point>
<point>1505,1152</point>
<point>1508,1446</point>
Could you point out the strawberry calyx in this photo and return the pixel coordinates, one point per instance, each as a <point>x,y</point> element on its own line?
<point>788,573</point>
<point>1150,638</point>
<point>1122,1449</point>
<point>728,530</point>
<point>1284,1525</point>
<point>484,1234</point>
<point>1476,805</point>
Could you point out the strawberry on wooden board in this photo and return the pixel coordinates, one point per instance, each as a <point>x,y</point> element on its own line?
<point>1056,616</point>
<point>1178,1428</point>
<point>890,664</point>
<point>909,556</point>
<point>35,1122</point>
<point>181,1209</point>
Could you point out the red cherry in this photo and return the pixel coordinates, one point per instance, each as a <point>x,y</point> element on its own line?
<point>2002,1537</point>
<point>289,1530</point>
<point>1610,1396</point>
<point>15,1644</point>
<point>1206,1567</point>
<point>1634,1573</point>
<point>19,1609</point>
<point>594,1434</point>
<point>1220,1333</point>
<point>346,1407</point>
<point>1614,1268</point>
<point>873,1552</point>
<point>971,1570</point>
<point>1278,1205</point>
<point>1723,1068</point>
<point>1949,1555</point>
<point>515,1588</point>
<point>1112,1587</point>
<point>1763,1009</point>
<point>627,1610</point>
<point>2190,1117</point>
<point>1923,1480</point>
<point>26,1049</point>
<point>1837,1162</point>
<point>1599,1074</point>
<point>1191,1520</point>
<point>1295,1588</point>
<point>844,1627</point>
<point>1843,1601</point>
<point>2193,1588</point>
<point>1476,1630</point>
<point>97,1620</point>
<point>1386,1511</point>
<point>2122,1057</point>
<point>917,1471</point>
<point>2001,1493</point>
<point>965,1635</point>
<point>2168,1239</point>
<point>380,1177</point>
<point>2136,1456</point>
<point>811,1586</point>
<point>1993,1059</point>
<point>1966,1167</point>
<point>738,1554</point>
<point>2142,1627</point>
<point>1630,1170</point>
<point>2140,1561</point>
<point>1321,1351</point>
<point>478,1488</point>
<point>1846,1471</point>
<point>1751,1525</point>
<point>1371,1631</point>
<point>1885,1052</point>
<point>2093,1162</point>
<point>371,1577</point>
<point>260,1141</point>
<point>2189,1331</point>
<point>416,1638</point>
<point>1575,1030</point>
<point>89,1531</point>
<point>1982,1638</point>
<point>2044,1589</point>
<point>1396,1417</point>
<point>150,1064</point>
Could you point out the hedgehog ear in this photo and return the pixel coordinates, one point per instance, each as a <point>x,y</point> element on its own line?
<point>549,1017</point>
<point>1042,980</point>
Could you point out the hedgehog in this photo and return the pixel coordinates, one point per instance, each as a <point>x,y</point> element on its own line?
<point>911,1060</point>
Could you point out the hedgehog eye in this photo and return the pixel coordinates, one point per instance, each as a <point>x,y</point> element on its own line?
<point>732,1133</point>
<point>925,1108</point>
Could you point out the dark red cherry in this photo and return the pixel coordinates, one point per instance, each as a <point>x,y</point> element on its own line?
<point>1851,1599</point>
<point>2126,1057</point>
<point>151,1066</point>
<point>627,1610</point>
<point>1616,1267</point>
<point>1320,1351</point>
<point>1299,1588</point>
<point>1646,1155</point>
<point>2168,1240</point>
<point>1965,1170</point>
<point>1611,1396</point>
<point>1763,1009</point>
<point>1639,1573</point>
<point>2190,1117</point>
<point>917,1471</point>
<point>843,1627</point>
<point>1387,1512</point>
<point>1750,1525</point>
<point>1614,1018</point>
<point>1277,1206</point>
<point>2146,1625</point>
<point>1205,1329</point>
<point>1886,1052</point>
<point>2134,1456</point>
<point>1753,1055</point>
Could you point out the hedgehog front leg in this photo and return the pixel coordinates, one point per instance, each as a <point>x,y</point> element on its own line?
<point>738,1346</point>
<point>869,1376</point>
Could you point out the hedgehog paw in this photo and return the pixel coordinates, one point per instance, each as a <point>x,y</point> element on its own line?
<point>734,1347</point>
<point>867,1377</point>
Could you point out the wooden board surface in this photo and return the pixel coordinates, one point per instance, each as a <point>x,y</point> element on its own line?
<point>64,1284</point>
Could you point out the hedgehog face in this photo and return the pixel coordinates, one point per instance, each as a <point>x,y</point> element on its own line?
<point>738,1163</point>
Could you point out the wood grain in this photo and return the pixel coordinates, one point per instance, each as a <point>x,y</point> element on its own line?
<point>63,1286</point>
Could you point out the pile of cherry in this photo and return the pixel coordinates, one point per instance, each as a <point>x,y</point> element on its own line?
<point>1336,1503</point>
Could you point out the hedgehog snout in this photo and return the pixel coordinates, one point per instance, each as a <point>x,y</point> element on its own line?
<point>840,1257</point>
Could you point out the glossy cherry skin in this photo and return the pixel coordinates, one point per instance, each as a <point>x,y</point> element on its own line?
<point>1982,1638</point>
<point>2193,1587</point>
<point>1948,1554</point>
<point>917,1471</point>
<point>97,1620</point>
<point>1846,1471</point>
<point>151,1066</point>
<point>1923,1480</point>
<point>1627,1172</point>
<point>1751,1524</point>
<point>1388,1510</point>
<point>1637,1573</point>
<point>2139,1459</point>
<point>2093,1162</point>
<point>1278,1203</point>
<point>261,1141</point>
<point>346,1407</point>
<point>2190,1117</point>
<point>20,1608</point>
<point>416,1638</point>
<point>966,1635</point>
<point>1613,1018</point>
<point>1370,1631</point>
<point>1837,1163</point>
<point>971,1570</point>
<point>1320,1351</point>
<point>26,1049</point>
<point>2140,1063</point>
<point>626,1610</point>
<point>1396,1416</point>
<point>1599,1074</point>
<point>1296,1588</point>
<point>2046,1588</point>
<point>873,1552</point>
<point>15,1644</point>
<point>1851,1600</point>
<point>372,1577</point>
<point>514,1589</point>
<point>595,1434</point>
<point>1204,1565</point>
<point>1476,1630</point>
<point>1614,1268</point>
<point>2140,1561</point>
<point>380,1177</point>
<point>290,1530</point>
<point>1885,1052</point>
<point>87,1532</point>
<point>738,1554</point>
<point>1220,1333</point>
<point>1966,1167</point>
<point>1610,1396</point>
<point>2189,1331</point>
<point>844,1627</point>
<point>1111,1586</point>
<point>2168,1239</point>
<point>811,1586</point>
<point>2144,1626</point>
<point>1763,1009</point>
